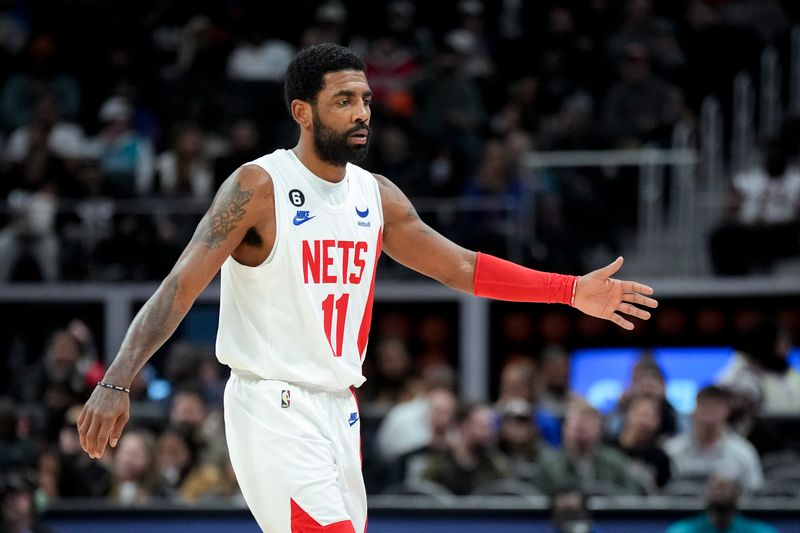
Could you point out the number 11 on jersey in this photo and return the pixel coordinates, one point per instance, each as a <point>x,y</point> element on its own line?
<point>341,316</point>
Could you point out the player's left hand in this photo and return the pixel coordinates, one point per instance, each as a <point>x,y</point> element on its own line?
<point>598,295</point>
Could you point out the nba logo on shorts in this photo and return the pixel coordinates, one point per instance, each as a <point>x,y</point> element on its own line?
<point>285,399</point>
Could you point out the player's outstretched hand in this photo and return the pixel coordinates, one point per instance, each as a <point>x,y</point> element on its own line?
<point>102,419</point>
<point>597,294</point>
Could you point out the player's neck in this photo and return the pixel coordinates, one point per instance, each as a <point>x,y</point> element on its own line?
<point>317,166</point>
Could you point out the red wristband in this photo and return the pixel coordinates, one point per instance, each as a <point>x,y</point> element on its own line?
<point>503,280</point>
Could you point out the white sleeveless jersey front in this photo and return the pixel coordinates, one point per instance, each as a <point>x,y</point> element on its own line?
<point>303,316</point>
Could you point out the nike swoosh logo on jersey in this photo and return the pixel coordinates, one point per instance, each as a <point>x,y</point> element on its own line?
<point>302,217</point>
<point>353,418</point>
<point>364,213</point>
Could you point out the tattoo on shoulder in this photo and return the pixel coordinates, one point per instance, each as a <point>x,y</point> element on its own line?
<point>226,212</point>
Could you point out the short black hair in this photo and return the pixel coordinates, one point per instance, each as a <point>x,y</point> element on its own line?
<point>305,76</point>
<point>189,387</point>
<point>713,392</point>
<point>464,412</point>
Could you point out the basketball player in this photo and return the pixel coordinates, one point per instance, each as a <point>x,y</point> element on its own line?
<point>297,235</point>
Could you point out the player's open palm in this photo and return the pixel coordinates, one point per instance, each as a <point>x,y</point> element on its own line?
<point>102,419</point>
<point>598,295</point>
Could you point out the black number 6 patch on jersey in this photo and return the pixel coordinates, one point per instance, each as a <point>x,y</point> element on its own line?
<point>297,197</point>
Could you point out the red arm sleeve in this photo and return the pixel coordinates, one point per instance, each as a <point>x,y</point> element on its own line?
<point>503,280</point>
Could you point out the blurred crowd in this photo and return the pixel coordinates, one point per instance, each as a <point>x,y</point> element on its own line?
<point>118,122</point>
<point>537,436</point>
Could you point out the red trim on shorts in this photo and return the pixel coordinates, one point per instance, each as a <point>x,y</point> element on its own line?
<point>366,320</point>
<point>302,522</point>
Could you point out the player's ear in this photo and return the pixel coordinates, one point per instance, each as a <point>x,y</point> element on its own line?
<point>302,113</point>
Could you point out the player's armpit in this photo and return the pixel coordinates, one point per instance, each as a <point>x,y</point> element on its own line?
<point>414,244</point>
<point>242,202</point>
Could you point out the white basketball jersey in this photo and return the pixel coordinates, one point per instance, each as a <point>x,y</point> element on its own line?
<point>303,316</point>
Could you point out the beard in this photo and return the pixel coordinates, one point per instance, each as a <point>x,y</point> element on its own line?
<point>334,147</point>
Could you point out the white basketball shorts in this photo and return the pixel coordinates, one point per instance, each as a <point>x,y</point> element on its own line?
<point>296,453</point>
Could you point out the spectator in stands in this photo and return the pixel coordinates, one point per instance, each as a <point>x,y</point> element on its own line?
<point>647,379</point>
<point>245,145</point>
<point>760,370</point>
<point>183,170</point>
<point>657,34</point>
<point>19,513</point>
<point>573,126</point>
<point>184,477</point>
<point>134,474</point>
<point>41,76</point>
<point>16,450</point>
<point>564,60</point>
<point>392,68</point>
<point>225,490</point>
<point>569,512</point>
<point>424,422</point>
<point>202,51</point>
<point>519,440</point>
<point>472,37</point>
<point>764,433</point>
<point>395,379</point>
<point>450,109</point>
<point>259,58</point>
<point>497,176</point>
<point>328,26</point>
<point>189,409</point>
<point>709,446</point>
<point>58,380</point>
<point>31,231</point>
<point>212,378</point>
<point>552,388</point>
<point>182,361</point>
<point>48,476</point>
<point>176,457</point>
<point>434,345</point>
<point>517,380</point>
<point>583,460</point>
<point>412,432</point>
<point>517,334</point>
<point>766,221</point>
<point>395,156</point>
<point>14,28</point>
<point>195,365</point>
<point>126,158</point>
<point>521,108</point>
<point>638,440</point>
<point>551,391</point>
<point>640,108</point>
<point>721,515</point>
<point>64,139</point>
<point>474,459</point>
<point>402,26</point>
